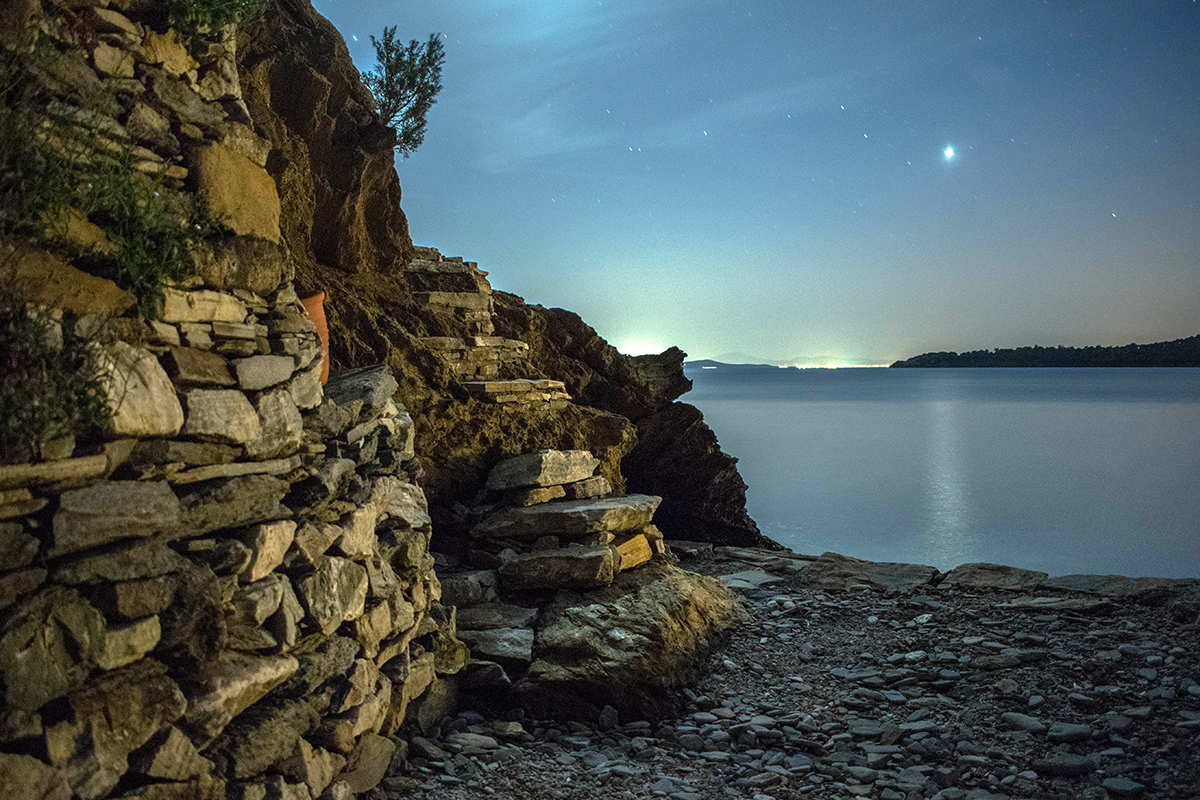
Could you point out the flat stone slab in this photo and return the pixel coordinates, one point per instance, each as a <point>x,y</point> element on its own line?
<point>543,468</point>
<point>500,644</point>
<point>835,572</point>
<point>278,466</point>
<point>685,547</point>
<point>201,306</point>
<point>1113,585</point>
<point>68,469</point>
<point>564,568</point>
<point>495,615</point>
<point>518,386</point>
<point>224,416</point>
<point>993,576</point>
<point>259,372</point>
<point>595,486</point>
<point>113,510</point>
<point>571,519</point>
<point>749,579</point>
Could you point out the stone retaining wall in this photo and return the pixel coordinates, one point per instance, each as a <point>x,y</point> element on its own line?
<point>232,595</point>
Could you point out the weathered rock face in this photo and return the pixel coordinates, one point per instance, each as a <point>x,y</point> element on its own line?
<point>332,157</point>
<point>676,456</point>
<point>628,643</point>
<point>704,497</point>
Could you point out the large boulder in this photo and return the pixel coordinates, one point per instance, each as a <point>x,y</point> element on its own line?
<point>834,572</point>
<point>628,644</point>
<point>981,575</point>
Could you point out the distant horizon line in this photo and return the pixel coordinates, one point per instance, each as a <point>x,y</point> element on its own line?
<point>704,362</point>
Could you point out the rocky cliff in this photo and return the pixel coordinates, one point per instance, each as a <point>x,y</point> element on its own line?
<point>389,303</point>
<point>221,577</point>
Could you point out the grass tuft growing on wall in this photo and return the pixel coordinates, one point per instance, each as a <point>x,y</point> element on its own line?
<point>154,228</point>
<point>194,18</point>
<point>52,383</point>
<point>49,166</point>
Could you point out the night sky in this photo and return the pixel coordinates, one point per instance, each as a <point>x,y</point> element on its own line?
<point>790,180</point>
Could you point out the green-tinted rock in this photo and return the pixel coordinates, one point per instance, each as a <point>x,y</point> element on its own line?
<point>26,778</point>
<point>50,647</point>
<point>113,510</point>
<point>232,502</point>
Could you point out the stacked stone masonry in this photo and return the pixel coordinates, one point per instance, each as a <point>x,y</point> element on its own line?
<point>455,285</point>
<point>548,524</point>
<point>232,596</point>
<point>460,289</point>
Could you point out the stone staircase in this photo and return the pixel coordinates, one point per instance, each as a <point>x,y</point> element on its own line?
<point>550,524</point>
<point>459,292</point>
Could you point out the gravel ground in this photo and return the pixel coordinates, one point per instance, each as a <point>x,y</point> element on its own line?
<point>850,691</point>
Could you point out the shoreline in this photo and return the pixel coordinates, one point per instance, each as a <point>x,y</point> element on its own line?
<point>1004,576</point>
<point>860,679</point>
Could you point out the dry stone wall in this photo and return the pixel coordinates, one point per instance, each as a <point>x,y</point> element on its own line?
<point>460,296</point>
<point>569,597</point>
<point>232,595</point>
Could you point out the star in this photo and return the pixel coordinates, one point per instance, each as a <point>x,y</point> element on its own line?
<point>948,153</point>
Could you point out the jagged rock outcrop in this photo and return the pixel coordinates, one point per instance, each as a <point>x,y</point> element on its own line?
<point>676,456</point>
<point>704,497</point>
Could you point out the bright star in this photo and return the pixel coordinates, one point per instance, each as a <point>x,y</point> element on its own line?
<point>949,153</point>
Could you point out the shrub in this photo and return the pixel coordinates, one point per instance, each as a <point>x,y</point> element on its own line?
<point>154,228</point>
<point>37,176</point>
<point>405,82</point>
<point>51,164</point>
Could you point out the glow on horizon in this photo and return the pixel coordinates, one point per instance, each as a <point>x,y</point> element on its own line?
<point>832,366</point>
<point>638,347</point>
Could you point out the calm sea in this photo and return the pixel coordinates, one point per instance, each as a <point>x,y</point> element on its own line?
<point>1060,470</point>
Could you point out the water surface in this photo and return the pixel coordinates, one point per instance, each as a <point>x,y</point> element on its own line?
<point>1061,470</point>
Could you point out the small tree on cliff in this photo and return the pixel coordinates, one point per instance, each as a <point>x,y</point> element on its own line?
<point>405,82</point>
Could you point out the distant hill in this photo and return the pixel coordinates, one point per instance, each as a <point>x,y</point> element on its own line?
<point>745,359</point>
<point>1178,353</point>
<point>708,363</point>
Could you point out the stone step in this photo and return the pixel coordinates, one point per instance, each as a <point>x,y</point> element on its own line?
<point>445,266</point>
<point>562,568</point>
<point>543,468</point>
<point>472,301</point>
<point>482,389</point>
<point>570,519</point>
